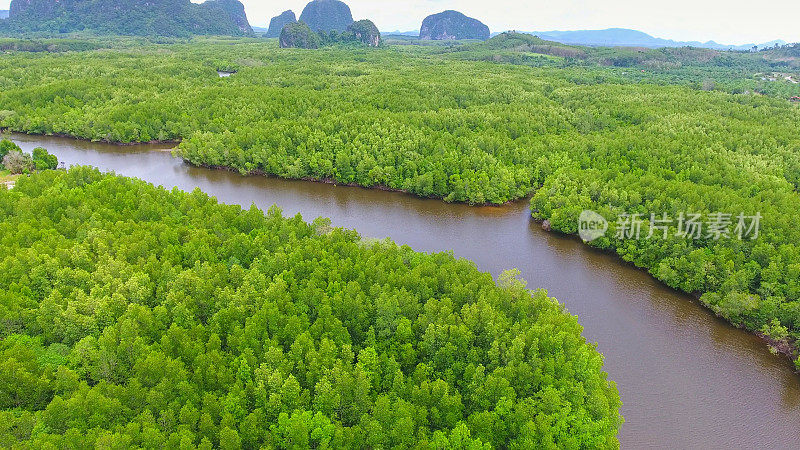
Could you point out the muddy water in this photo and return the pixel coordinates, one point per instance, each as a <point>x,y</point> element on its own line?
<point>687,379</point>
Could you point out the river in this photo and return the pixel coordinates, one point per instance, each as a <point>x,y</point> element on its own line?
<point>687,379</point>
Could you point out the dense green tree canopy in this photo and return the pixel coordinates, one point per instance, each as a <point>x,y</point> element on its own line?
<point>134,316</point>
<point>300,35</point>
<point>14,160</point>
<point>654,137</point>
<point>6,146</point>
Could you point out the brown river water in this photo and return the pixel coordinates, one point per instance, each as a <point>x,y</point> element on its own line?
<point>687,379</point>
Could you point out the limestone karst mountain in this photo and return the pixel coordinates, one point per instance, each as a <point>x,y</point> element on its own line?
<point>278,22</point>
<point>327,15</point>
<point>130,17</point>
<point>452,25</point>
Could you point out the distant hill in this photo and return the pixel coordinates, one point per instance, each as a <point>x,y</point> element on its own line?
<point>129,17</point>
<point>512,42</point>
<point>623,37</point>
<point>3,14</point>
<point>523,48</point>
<point>402,33</point>
<point>278,22</point>
<point>452,25</point>
<point>327,15</point>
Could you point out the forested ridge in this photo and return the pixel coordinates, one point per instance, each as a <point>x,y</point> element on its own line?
<point>127,17</point>
<point>135,316</point>
<point>695,133</point>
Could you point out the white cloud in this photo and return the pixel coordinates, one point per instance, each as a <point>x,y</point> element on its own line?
<point>721,20</point>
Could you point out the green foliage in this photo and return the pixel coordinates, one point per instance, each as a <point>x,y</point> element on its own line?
<point>512,40</point>
<point>300,35</point>
<point>7,146</point>
<point>134,316</point>
<point>734,72</point>
<point>432,125</point>
<point>17,163</point>
<point>48,45</point>
<point>524,43</point>
<point>430,121</point>
<point>775,331</point>
<point>700,153</point>
<point>42,160</point>
<point>13,159</point>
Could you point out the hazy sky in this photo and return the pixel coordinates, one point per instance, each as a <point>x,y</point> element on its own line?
<point>725,21</point>
<point>729,22</point>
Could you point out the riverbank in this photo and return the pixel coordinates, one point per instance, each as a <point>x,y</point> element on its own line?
<point>330,181</point>
<point>333,182</point>
<point>173,142</point>
<point>787,347</point>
